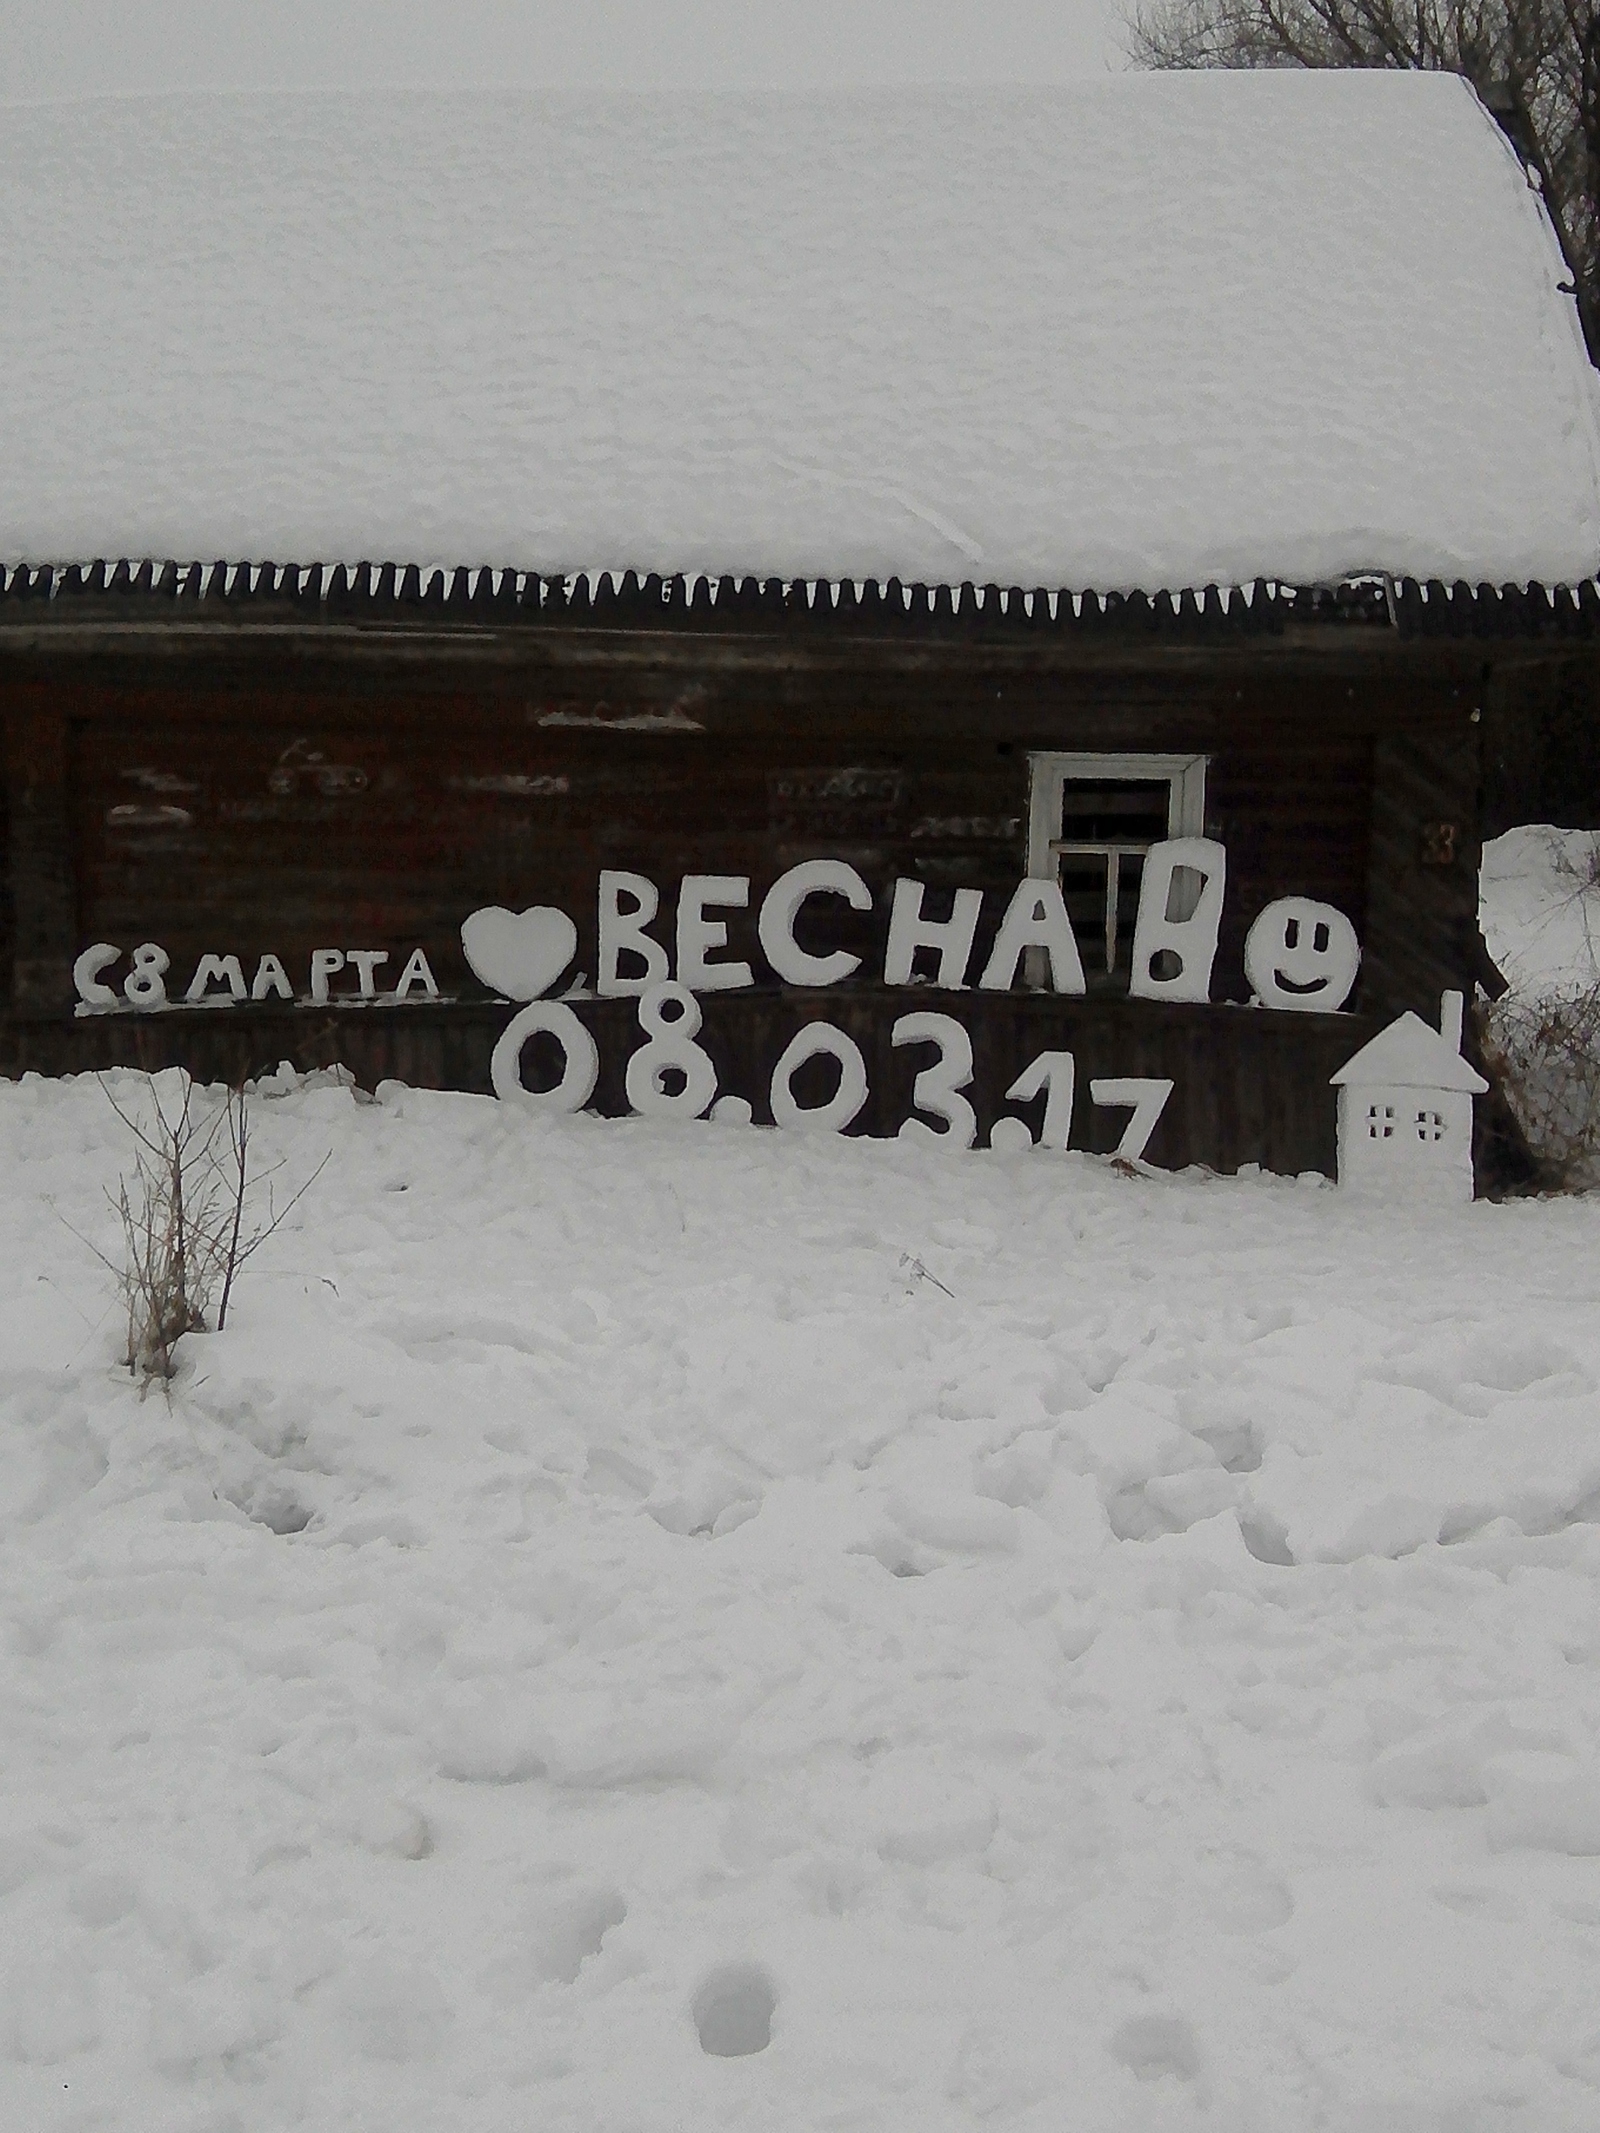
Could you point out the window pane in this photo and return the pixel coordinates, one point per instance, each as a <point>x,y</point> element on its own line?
<point>1095,812</point>
<point>1100,888</point>
<point>1107,826</point>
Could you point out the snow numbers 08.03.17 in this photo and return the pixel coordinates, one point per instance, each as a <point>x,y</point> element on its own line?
<point>671,1075</point>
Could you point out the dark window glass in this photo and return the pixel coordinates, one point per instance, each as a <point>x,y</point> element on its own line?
<point>1106,829</point>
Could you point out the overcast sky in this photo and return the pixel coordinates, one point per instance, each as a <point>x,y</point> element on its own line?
<point>51,48</point>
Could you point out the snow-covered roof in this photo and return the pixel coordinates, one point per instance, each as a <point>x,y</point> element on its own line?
<point>1409,1055</point>
<point>1153,332</point>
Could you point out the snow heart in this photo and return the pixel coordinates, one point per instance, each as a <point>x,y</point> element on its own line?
<point>519,953</point>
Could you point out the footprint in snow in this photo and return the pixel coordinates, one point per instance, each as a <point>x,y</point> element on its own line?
<point>733,2008</point>
<point>1157,2048</point>
<point>572,1930</point>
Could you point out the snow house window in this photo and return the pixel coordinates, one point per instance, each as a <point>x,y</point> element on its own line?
<point>1430,1125</point>
<point>1380,1122</point>
<point>1091,820</point>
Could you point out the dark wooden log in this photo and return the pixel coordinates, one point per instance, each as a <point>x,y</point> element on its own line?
<point>1247,1087</point>
<point>1421,917</point>
<point>40,859</point>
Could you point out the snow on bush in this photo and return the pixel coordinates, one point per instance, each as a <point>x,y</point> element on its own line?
<point>1545,1054</point>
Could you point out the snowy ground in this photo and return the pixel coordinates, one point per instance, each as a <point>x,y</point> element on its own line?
<point>1155,1684</point>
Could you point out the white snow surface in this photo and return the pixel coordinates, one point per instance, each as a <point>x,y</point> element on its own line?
<point>1155,331</point>
<point>1024,1645</point>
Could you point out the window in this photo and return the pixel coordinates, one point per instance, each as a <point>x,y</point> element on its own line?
<point>1430,1125</point>
<point>1091,820</point>
<point>1380,1122</point>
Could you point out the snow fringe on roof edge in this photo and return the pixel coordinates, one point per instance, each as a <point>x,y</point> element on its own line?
<point>1518,607</point>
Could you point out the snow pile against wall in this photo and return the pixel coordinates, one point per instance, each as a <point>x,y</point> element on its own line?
<point>657,1626</point>
<point>1540,911</point>
<point>1156,332</point>
<point>1539,906</point>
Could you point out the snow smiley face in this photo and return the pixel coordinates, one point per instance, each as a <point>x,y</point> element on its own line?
<point>1302,955</point>
<point>519,953</point>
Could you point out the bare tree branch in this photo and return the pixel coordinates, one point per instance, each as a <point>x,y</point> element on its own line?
<point>184,1217</point>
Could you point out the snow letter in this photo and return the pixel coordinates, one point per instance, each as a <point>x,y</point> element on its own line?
<point>145,986</point>
<point>1036,917</point>
<point>1055,1074</point>
<point>622,933</point>
<point>952,937</point>
<point>938,1088</point>
<point>86,975</point>
<point>218,969</point>
<point>1146,1097</point>
<point>1160,932</point>
<point>813,1040</point>
<point>580,1059</point>
<point>813,877</point>
<point>698,934</point>
<point>364,961</point>
<point>270,977</point>
<point>324,963</point>
<point>416,973</point>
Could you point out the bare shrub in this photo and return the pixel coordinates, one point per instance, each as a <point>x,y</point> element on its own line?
<point>190,1216</point>
<point>1545,1054</point>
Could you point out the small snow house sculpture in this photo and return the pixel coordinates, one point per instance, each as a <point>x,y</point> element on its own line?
<point>1405,1110</point>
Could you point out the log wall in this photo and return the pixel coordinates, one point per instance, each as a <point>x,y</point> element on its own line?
<point>221,795</point>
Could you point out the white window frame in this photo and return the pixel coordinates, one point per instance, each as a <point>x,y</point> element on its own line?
<point>1048,776</point>
<point>1049,773</point>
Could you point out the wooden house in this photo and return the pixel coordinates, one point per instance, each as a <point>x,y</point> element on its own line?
<point>811,526</point>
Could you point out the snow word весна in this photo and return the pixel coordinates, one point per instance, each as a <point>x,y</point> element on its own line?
<point>1300,955</point>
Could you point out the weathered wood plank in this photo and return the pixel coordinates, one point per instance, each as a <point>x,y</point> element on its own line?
<point>1422,907</point>
<point>40,859</point>
<point>1233,1068</point>
<point>282,797</point>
